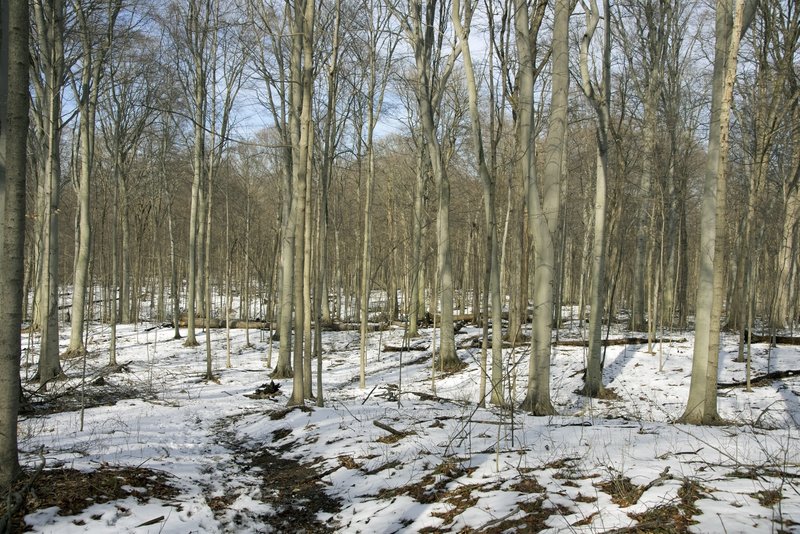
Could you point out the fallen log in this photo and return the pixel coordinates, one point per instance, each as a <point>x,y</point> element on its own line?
<point>778,340</point>
<point>761,380</point>
<point>238,324</point>
<point>616,341</point>
<point>477,343</point>
<point>389,429</point>
<point>416,347</point>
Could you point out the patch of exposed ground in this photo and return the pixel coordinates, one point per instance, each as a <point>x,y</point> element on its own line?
<point>73,491</point>
<point>671,518</point>
<point>99,390</point>
<point>296,493</point>
<point>293,490</point>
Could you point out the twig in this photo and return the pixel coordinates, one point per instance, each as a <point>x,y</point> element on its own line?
<point>153,521</point>
<point>369,394</point>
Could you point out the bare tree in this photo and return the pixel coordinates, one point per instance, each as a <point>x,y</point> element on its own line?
<point>329,141</point>
<point>651,21</point>
<point>731,20</point>
<point>49,69</point>
<point>125,113</point>
<point>544,203</point>
<point>424,34</point>
<point>488,181</point>
<point>378,66</point>
<point>772,102</point>
<point>196,33</point>
<point>95,24</point>
<point>301,129</point>
<point>599,97</point>
<point>225,71</point>
<point>270,64</point>
<point>14,103</point>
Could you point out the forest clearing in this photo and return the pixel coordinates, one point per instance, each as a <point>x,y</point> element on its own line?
<point>165,450</point>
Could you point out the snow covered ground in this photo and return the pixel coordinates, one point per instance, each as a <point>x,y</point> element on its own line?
<point>212,459</point>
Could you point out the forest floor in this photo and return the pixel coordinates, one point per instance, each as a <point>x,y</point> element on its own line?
<point>161,449</point>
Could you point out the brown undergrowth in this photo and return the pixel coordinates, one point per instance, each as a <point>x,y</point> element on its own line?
<point>73,491</point>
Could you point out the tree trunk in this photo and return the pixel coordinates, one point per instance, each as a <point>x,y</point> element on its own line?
<point>701,406</point>
<point>301,130</point>
<point>416,247</point>
<point>112,349</point>
<point>92,61</point>
<point>14,72</point>
<point>593,386</point>
<point>488,203</point>
<point>283,368</point>
<point>600,98</point>
<point>543,220</point>
<point>787,255</point>
<point>420,33</point>
<point>197,33</point>
<point>48,57</point>
<point>366,267</point>
<point>638,315</point>
<point>308,391</point>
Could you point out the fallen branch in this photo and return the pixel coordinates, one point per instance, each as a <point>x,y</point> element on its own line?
<point>153,521</point>
<point>411,348</point>
<point>778,340</point>
<point>389,429</point>
<point>369,394</point>
<point>762,380</point>
<point>617,341</point>
<point>428,396</point>
<point>477,343</point>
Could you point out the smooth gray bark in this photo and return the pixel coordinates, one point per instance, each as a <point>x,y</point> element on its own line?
<point>600,99</point>
<point>87,92</point>
<point>488,181</point>
<point>197,33</point>
<point>50,67</point>
<point>378,78</point>
<point>419,26</point>
<point>543,220</point>
<point>701,407</point>
<point>302,73</point>
<point>14,103</point>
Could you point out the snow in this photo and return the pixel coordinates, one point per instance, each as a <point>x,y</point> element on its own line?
<point>457,467</point>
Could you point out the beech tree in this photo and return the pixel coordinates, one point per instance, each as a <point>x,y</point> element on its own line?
<point>544,204</point>
<point>226,68</point>
<point>195,35</point>
<point>301,74</point>
<point>651,29</point>
<point>96,28</point>
<point>14,103</point>
<point>49,74</point>
<point>423,27</point>
<point>488,181</point>
<point>271,65</point>
<point>378,68</point>
<point>598,93</point>
<point>125,112</point>
<point>731,19</point>
<point>769,103</point>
